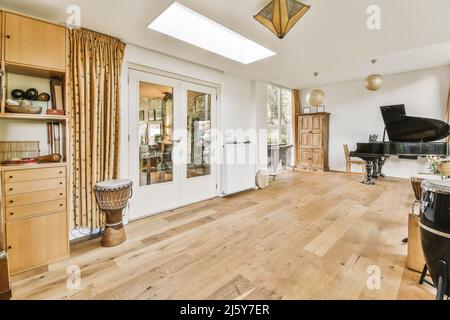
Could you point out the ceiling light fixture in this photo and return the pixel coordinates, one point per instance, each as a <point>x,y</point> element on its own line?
<point>374,81</point>
<point>189,26</point>
<point>279,16</point>
<point>315,97</point>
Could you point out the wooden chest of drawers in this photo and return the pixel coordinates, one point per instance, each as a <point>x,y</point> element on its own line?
<point>34,208</point>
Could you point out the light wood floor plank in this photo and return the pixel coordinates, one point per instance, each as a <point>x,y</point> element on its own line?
<point>308,236</point>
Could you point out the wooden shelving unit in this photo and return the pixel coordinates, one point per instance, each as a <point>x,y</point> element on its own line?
<point>33,197</point>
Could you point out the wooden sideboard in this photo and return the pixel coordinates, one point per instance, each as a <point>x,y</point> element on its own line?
<point>34,203</point>
<point>313,139</point>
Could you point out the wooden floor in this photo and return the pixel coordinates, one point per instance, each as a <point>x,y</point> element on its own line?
<point>309,236</point>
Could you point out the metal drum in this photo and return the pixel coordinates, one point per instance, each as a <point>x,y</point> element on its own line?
<point>435,232</point>
<point>112,197</point>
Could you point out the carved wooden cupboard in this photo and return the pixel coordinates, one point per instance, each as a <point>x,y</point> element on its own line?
<point>313,131</point>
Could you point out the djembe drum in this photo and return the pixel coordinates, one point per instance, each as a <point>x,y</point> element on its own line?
<point>112,197</point>
<point>435,233</point>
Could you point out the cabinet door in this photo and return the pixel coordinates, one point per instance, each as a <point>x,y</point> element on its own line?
<point>317,123</point>
<point>317,159</point>
<point>305,139</point>
<point>36,241</point>
<point>305,158</point>
<point>34,43</point>
<point>305,131</point>
<point>305,123</point>
<point>316,140</point>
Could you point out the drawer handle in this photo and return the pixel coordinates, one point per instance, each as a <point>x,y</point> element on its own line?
<point>60,183</point>
<point>11,177</point>
<point>60,172</point>
<point>11,214</point>
<point>11,189</point>
<point>8,36</point>
<point>11,201</point>
<point>61,205</point>
<point>61,194</point>
<point>9,247</point>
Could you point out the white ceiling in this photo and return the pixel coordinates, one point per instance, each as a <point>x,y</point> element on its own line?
<point>332,38</point>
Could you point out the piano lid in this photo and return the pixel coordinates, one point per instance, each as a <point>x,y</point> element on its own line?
<point>403,128</point>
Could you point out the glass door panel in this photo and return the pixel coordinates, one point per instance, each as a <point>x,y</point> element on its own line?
<point>198,134</point>
<point>199,144</point>
<point>155,133</point>
<point>154,118</point>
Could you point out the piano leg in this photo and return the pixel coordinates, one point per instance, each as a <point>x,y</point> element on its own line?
<point>375,170</point>
<point>380,164</point>
<point>369,173</point>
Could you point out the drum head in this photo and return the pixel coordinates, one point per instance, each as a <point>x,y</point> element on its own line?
<point>113,184</point>
<point>438,186</point>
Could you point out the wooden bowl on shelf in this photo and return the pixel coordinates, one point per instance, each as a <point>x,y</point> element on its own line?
<point>23,109</point>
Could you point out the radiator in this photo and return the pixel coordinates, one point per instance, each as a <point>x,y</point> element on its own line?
<point>239,169</point>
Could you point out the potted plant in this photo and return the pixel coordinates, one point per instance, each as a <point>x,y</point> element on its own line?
<point>439,165</point>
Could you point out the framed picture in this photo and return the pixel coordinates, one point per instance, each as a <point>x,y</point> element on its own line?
<point>200,103</point>
<point>307,110</point>
<point>158,114</point>
<point>154,129</point>
<point>321,109</point>
<point>141,115</point>
<point>151,115</point>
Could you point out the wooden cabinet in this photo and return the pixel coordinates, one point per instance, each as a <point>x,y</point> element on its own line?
<point>34,206</point>
<point>31,42</point>
<point>36,241</point>
<point>313,139</point>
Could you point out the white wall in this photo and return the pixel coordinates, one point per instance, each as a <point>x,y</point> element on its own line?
<point>239,98</point>
<point>356,112</point>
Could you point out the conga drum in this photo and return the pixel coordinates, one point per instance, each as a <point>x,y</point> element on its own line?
<point>112,197</point>
<point>435,232</point>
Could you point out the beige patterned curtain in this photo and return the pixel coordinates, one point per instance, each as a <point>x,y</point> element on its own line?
<point>296,107</point>
<point>95,63</point>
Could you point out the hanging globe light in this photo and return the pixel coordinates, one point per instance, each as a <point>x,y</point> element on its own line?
<point>374,81</point>
<point>315,97</point>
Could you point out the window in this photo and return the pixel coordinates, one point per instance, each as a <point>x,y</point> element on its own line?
<point>280,129</point>
<point>279,115</point>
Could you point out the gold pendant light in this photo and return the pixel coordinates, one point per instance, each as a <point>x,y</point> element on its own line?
<point>279,16</point>
<point>315,97</point>
<point>374,81</point>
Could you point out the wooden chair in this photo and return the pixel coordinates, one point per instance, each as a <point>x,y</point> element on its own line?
<point>349,162</point>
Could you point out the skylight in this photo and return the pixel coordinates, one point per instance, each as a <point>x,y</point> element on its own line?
<point>189,26</point>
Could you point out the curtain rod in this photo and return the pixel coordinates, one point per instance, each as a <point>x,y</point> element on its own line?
<point>87,29</point>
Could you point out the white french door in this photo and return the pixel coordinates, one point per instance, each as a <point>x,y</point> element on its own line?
<point>199,113</point>
<point>171,148</point>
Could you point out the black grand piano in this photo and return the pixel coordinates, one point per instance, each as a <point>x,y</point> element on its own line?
<point>409,138</point>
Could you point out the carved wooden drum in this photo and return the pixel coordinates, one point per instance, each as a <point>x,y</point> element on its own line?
<point>112,197</point>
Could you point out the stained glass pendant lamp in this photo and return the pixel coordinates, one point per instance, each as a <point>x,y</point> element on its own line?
<point>279,16</point>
